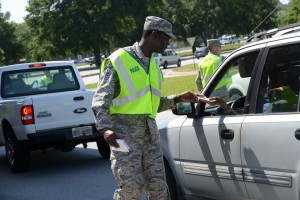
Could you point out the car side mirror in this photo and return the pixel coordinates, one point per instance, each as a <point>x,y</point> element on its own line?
<point>184,108</point>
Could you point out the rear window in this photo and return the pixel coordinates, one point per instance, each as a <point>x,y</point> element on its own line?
<point>36,81</point>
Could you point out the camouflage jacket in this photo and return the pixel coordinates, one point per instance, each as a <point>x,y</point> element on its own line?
<point>109,87</point>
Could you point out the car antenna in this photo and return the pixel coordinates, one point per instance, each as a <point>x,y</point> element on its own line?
<point>252,32</point>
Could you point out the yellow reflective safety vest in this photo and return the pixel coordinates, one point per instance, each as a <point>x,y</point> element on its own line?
<point>207,68</point>
<point>288,97</point>
<point>139,92</point>
<point>47,79</point>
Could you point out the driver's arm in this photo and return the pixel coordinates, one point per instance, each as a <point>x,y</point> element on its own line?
<point>227,109</point>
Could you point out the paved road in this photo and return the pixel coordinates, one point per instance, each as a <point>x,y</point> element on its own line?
<point>78,175</point>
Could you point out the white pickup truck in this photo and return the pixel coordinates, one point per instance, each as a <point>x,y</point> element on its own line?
<point>45,105</point>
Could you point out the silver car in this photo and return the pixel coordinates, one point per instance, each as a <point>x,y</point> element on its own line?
<point>251,153</point>
<point>168,57</point>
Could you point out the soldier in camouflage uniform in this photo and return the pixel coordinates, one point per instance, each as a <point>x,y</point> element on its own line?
<point>142,168</point>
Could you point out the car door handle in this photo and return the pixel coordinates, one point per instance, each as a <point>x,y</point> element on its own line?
<point>227,134</point>
<point>297,134</point>
<point>80,98</point>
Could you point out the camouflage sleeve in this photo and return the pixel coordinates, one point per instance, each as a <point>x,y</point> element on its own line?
<point>166,103</point>
<point>103,97</point>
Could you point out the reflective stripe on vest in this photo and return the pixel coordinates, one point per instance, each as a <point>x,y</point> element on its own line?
<point>208,67</point>
<point>137,88</point>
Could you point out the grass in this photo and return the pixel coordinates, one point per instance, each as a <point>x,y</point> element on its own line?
<point>177,85</point>
<point>186,68</point>
<point>173,85</point>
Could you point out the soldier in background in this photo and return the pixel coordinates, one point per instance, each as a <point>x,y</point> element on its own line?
<point>125,104</point>
<point>209,65</point>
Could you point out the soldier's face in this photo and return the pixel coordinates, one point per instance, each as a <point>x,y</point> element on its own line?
<point>162,41</point>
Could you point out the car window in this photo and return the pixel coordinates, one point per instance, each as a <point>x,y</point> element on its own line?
<point>279,89</point>
<point>234,83</point>
<point>155,54</point>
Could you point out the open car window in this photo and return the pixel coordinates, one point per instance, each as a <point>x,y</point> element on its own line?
<point>279,88</point>
<point>233,83</point>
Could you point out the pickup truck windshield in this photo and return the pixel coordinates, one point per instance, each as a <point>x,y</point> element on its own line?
<point>34,81</point>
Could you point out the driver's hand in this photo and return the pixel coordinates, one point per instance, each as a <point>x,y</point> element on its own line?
<point>220,101</point>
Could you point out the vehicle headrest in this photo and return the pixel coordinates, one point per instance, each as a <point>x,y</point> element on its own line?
<point>245,66</point>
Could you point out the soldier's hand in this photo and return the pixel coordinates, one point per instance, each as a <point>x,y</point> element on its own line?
<point>191,97</point>
<point>111,137</point>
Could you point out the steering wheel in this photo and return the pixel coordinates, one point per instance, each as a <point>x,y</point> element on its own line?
<point>238,103</point>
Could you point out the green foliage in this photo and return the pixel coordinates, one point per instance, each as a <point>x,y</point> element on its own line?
<point>8,43</point>
<point>292,14</point>
<point>213,18</point>
<point>78,26</point>
<point>57,28</point>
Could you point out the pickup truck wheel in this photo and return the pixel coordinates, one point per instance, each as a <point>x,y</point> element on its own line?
<point>18,157</point>
<point>104,149</point>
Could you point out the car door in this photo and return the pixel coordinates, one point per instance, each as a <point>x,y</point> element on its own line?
<point>270,141</point>
<point>210,144</point>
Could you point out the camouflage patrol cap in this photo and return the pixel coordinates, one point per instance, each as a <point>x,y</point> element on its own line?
<point>213,42</point>
<point>158,24</point>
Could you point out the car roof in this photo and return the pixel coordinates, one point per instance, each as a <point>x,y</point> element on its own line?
<point>273,32</point>
<point>291,35</point>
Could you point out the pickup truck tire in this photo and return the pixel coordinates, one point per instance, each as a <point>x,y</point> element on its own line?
<point>18,157</point>
<point>104,149</point>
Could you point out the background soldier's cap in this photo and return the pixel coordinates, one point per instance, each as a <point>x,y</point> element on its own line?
<point>158,24</point>
<point>213,42</point>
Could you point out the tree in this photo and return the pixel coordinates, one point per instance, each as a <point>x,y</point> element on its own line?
<point>292,14</point>
<point>77,26</point>
<point>8,46</point>
<point>212,18</point>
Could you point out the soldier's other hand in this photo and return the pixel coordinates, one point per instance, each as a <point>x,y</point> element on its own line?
<point>111,137</point>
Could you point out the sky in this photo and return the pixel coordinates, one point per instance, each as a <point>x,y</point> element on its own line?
<point>18,12</point>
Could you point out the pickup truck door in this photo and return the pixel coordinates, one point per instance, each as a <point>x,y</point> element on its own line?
<point>210,157</point>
